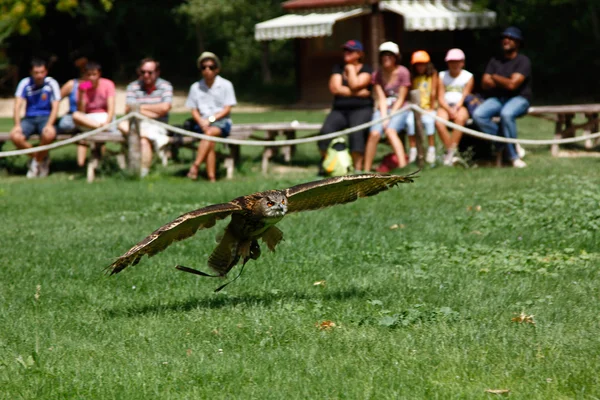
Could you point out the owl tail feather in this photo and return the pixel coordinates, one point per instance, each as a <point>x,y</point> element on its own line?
<point>225,255</point>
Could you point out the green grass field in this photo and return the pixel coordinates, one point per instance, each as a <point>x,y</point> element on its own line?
<point>422,283</point>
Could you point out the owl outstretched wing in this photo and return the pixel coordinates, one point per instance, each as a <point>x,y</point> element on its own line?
<point>181,228</point>
<point>340,190</point>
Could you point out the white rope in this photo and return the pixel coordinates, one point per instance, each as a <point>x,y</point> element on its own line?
<point>65,142</point>
<point>290,142</point>
<point>263,143</point>
<point>502,139</point>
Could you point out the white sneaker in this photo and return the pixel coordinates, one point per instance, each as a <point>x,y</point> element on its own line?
<point>44,168</point>
<point>449,157</point>
<point>412,155</point>
<point>162,154</point>
<point>430,156</point>
<point>518,163</point>
<point>520,151</point>
<point>144,172</point>
<point>33,170</point>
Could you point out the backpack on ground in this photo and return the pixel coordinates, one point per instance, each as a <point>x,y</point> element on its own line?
<point>338,160</point>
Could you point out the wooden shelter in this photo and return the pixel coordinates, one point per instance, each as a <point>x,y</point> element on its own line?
<point>320,27</point>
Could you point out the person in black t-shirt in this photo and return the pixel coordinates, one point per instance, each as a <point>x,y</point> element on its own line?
<point>350,84</point>
<point>507,81</point>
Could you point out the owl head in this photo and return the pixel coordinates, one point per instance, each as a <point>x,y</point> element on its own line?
<point>274,205</point>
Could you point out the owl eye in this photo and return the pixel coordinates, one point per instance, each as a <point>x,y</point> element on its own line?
<point>282,201</point>
<point>270,204</point>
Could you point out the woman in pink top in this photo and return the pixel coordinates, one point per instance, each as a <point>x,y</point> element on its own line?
<point>391,83</point>
<point>95,104</point>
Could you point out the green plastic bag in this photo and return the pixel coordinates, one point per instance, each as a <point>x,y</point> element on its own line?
<point>338,160</point>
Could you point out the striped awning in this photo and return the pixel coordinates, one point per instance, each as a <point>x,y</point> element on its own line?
<point>438,15</point>
<point>419,15</point>
<point>303,25</point>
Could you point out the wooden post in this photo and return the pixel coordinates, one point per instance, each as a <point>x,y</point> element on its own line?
<point>288,151</point>
<point>264,64</point>
<point>134,147</point>
<point>587,130</point>
<point>415,98</point>
<point>560,118</point>
<point>269,151</point>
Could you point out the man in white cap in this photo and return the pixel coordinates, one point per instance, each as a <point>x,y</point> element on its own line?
<point>211,100</point>
<point>507,81</point>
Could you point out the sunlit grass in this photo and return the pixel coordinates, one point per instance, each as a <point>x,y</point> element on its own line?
<point>422,283</point>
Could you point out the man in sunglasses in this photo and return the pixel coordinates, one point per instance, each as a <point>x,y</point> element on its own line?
<point>210,100</point>
<point>154,96</point>
<point>507,81</point>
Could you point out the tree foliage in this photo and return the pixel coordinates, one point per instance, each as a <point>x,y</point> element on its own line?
<point>17,16</point>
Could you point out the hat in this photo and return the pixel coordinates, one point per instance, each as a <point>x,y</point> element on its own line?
<point>420,56</point>
<point>353,45</point>
<point>391,47</point>
<point>513,33</point>
<point>207,55</point>
<point>455,55</point>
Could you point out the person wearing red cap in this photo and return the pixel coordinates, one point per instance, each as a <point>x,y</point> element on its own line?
<point>454,85</point>
<point>350,84</point>
<point>507,82</point>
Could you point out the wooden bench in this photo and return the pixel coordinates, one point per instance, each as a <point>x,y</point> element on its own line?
<point>563,116</point>
<point>232,153</point>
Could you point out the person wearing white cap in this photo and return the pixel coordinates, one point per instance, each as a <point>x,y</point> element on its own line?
<point>454,85</point>
<point>391,86</point>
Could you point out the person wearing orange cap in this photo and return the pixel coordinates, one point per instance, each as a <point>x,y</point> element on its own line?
<point>454,85</point>
<point>425,80</point>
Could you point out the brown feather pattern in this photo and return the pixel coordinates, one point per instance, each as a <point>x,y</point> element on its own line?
<point>303,197</point>
<point>181,228</point>
<point>340,190</point>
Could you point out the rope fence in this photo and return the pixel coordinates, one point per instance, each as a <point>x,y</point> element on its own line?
<point>290,142</point>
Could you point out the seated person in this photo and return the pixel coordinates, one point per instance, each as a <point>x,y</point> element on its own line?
<point>507,81</point>
<point>425,80</point>
<point>40,94</point>
<point>211,100</point>
<point>454,85</point>
<point>154,96</point>
<point>69,91</point>
<point>350,84</point>
<point>95,104</point>
<point>391,84</point>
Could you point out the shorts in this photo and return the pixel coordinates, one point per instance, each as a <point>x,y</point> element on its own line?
<point>398,122</point>
<point>428,124</point>
<point>223,124</point>
<point>342,119</point>
<point>66,124</point>
<point>154,133</point>
<point>33,125</point>
<point>99,117</point>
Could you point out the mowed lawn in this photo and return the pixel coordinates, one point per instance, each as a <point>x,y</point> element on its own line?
<point>419,296</point>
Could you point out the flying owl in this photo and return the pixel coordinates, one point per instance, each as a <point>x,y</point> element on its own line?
<point>253,217</point>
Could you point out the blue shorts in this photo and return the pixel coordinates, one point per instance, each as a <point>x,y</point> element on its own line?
<point>33,125</point>
<point>397,122</point>
<point>428,124</point>
<point>66,124</point>
<point>223,124</point>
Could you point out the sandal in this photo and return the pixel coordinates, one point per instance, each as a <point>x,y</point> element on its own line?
<point>193,172</point>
